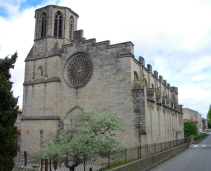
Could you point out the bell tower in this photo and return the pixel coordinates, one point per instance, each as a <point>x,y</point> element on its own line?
<point>53,24</point>
<point>54,27</point>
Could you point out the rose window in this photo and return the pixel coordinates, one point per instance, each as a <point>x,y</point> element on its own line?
<point>79,70</point>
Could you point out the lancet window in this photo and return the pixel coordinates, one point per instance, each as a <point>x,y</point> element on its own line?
<point>40,72</point>
<point>58,24</point>
<point>43,25</point>
<point>136,76</point>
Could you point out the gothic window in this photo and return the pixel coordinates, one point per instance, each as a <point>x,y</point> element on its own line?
<point>70,121</point>
<point>78,70</point>
<point>173,98</point>
<point>40,72</point>
<point>43,25</point>
<point>41,138</point>
<point>136,76</point>
<point>58,24</point>
<point>145,82</point>
<point>71,27</point>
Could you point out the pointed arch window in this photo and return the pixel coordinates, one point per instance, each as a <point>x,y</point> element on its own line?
<point>145,82</point>
<point>136,76</point>
<point>39,72</point>
<point>58,24</point>
<point>71,27</point>
<point>43,25</point>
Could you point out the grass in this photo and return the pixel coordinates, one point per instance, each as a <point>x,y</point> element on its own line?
<point>199,136</point>
<point>119,163</point>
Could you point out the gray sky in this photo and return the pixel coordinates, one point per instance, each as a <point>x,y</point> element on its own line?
<point>174,36</point>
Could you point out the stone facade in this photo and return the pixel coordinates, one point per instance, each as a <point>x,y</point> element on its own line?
<point>18,126</point>
<point>64,71</point>
<point>193,116</point>
<point>18,120</point>
<point>204,125</point>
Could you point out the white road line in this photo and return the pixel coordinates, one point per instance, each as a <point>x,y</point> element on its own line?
<point>203,145</point>
<point>195,146</point>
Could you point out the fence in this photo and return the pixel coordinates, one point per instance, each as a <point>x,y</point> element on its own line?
<point>26,163</point>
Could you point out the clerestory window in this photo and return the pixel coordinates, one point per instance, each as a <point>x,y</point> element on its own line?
<point>58,24</point>
<point>43,25</point>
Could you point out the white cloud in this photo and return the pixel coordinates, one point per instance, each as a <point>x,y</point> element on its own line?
<point>17,35</point>
<point>195,97</point>
<point>173,36</point>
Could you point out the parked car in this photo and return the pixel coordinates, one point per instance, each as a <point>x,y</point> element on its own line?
<point>207,133</point>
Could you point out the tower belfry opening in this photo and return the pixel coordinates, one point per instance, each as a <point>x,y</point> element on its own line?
<point>43,25</point>
<point>58,24</point>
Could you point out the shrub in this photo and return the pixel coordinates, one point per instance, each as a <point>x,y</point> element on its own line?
<point>189,129</point>
<point>199,136</point>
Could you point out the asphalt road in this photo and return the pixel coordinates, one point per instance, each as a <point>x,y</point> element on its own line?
<point>196,158</point>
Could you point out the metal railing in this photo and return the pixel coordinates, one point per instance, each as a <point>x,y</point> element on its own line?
<point>96,164</point>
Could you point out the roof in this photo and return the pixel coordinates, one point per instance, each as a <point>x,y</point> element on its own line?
<point>191,120</point>
<point>18,131</point>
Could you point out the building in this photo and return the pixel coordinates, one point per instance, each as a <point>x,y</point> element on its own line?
<point>18,126</point>
<point>65,71</point>
<point>204,125</point>
<point>193,116</point>
<point>18,120</point>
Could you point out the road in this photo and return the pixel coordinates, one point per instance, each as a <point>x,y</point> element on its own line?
<point>196,158</point>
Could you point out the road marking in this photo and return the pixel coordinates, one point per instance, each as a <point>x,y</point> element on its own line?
<point>203,145</point>
<point>195,146</point>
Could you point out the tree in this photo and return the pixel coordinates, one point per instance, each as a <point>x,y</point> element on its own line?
<point>209,116</point>
<point>89,135</point>
<point>189,128</point>
<point>8,115</point>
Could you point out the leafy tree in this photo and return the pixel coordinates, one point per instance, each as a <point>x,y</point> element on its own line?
<point>8,115</point>
<point>189,128</point>
<point>209,117</point>
<point>89,135</point>
<point>209,125</point>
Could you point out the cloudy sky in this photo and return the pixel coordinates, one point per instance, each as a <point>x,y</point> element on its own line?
<point>174,36</point>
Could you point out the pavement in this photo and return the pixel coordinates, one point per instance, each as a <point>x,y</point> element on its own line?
<point>195,158</point>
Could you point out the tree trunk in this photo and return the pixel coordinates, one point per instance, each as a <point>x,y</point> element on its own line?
<point>72,168</point>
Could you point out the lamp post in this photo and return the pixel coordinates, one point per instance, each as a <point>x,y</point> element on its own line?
<point>140,131</point>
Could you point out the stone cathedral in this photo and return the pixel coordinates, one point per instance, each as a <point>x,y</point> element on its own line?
<point>65,71</point>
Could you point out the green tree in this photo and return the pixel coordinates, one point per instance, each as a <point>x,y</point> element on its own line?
<point>209,116</point>
<point>189,128</point>
<point>89,135</point>
<point>8,115</point>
